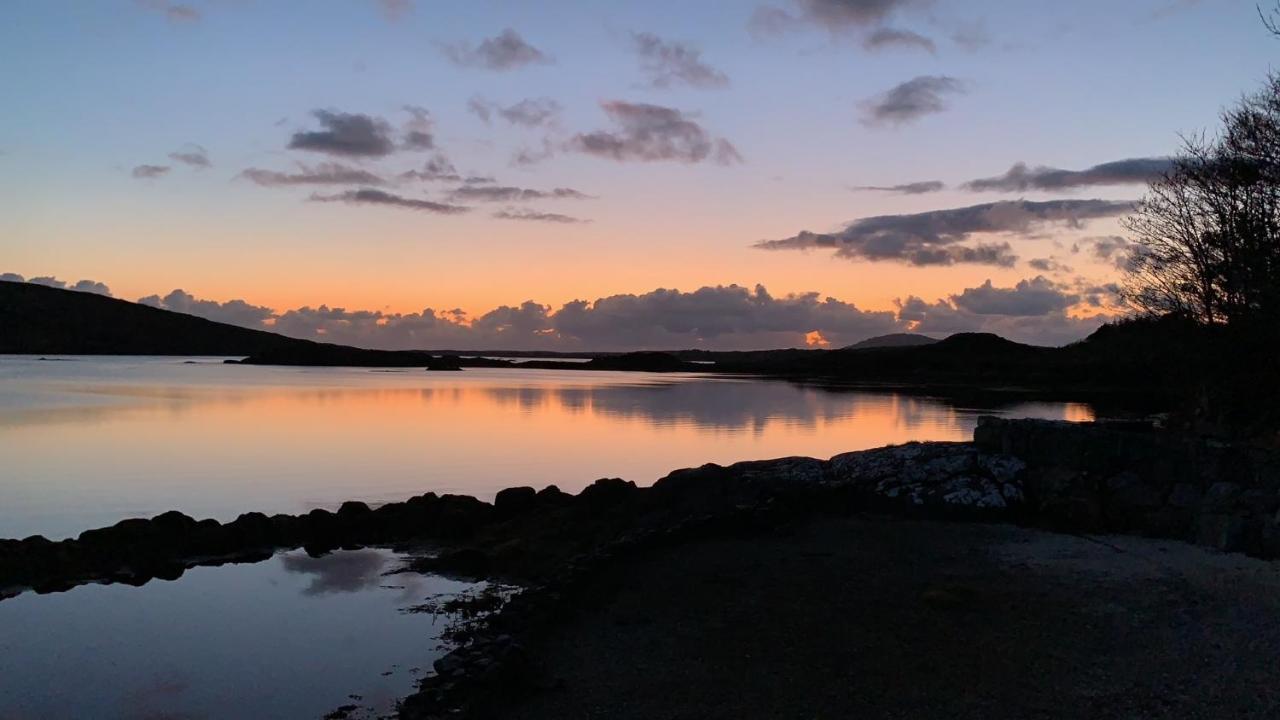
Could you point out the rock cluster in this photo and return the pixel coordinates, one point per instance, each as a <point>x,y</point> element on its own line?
<point>1130,478</point>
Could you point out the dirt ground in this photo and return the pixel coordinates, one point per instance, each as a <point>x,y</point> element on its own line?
<point>882,618</point>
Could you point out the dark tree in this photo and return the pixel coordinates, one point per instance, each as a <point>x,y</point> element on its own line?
<point>1207,235</point>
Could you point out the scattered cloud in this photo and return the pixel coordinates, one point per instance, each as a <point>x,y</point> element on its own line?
<point>147,172</point>
<point>192,155</point>
<point>1113,249</point>
<point>1033,297</point>
<point>92,286</point>
<point>419,133</point>
<point>530,112</point>
<point>913,188</point>
<point>1050,265</point>
<point>535,216</point>
<point>1020,178</point>
<point>322,174</point>
<point>651,133</point>
<point>506,51</point>
<point>395,9</point>
<point>945,317</point>
<point>175,12</point>
<point>234,312</point>
<point>885,38</point>
<point>668,62</point>
<point>504,193</point>
<point>346,134</point>
<point>89,286</point>
<point>934,237</point>
<point>911,100</point>
<point>378,197</point>
<point>437,168</point>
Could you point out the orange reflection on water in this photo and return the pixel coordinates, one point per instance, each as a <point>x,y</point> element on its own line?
<point>217,440</point>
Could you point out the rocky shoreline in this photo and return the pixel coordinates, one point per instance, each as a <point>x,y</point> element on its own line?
<point>1074,477</point>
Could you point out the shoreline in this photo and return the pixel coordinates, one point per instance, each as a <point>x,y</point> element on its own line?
<point>1077,478</point>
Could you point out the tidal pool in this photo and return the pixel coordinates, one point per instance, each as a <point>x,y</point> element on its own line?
<point>290,637</point>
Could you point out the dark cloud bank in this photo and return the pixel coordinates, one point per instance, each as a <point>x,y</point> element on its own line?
<point>721,317</point>
<point>939,237</point>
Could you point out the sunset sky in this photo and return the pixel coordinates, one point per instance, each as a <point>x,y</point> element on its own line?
<point>409,173</point>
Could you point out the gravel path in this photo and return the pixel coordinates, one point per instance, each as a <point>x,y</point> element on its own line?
<point>877,618</point>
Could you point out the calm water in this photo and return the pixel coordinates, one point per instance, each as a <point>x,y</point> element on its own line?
<point>87,441</point>
<point>290,637</point>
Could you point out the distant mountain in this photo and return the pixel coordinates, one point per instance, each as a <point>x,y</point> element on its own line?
<point>35,319</point>
<point>892,340</point>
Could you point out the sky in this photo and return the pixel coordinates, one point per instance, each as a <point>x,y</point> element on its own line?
<point>599,175</point>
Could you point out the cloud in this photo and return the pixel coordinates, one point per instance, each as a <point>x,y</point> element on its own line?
<point>535,216</point>
<point>911,100</point>
<point>530,112</point>
<point>192,155</point>
<point>1020,178</point>
<point>379,197</point>
<point>503,193</point>
<point>92,286</point>
<point>506,51</point>
<point>914,188</point>
<point>933,237</point>
<point>1033,297</point>
<point>894,37</point>
<point>667,63</point>
<point>835,16</point>
<point>729,317</point>
<point>395,9</point>
<point>1048,265</point>
<point>346,134</point>
<point>175,12</point>
<point>322,174</point>
<point>147,172</point>
<point>89,286</point>
<point>651,133</point>
<point>1113,249</point>
<point>234,312</point>
<point>419,133</point>
<point>943,317</point>
<point>436,169</point>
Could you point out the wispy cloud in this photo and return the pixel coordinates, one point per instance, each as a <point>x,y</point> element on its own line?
<point>506,51</point>
<point>148,172</point>
<point>668,62</point>
<point>650,133</point>
<point>379,197</point>
<point>1020,178</point>
<point>536,216</point>
<point>911,100</point>
<point>322,174</point>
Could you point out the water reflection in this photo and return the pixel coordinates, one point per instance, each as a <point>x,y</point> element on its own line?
<point>89,442</point>
<point>342,571</point>
<point>288,637</point>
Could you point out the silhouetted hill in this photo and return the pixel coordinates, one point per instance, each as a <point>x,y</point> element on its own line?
<point>892,340</point>
<point>35,319</point>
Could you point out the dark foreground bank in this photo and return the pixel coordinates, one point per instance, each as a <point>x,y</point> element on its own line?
<point>872,617</point>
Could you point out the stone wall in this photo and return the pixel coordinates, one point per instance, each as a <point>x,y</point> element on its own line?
<point>1130,478</point>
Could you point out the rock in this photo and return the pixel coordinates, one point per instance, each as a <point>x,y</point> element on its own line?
<point>515,501</point>
<point>607,490</point>
<point>353,509</point>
